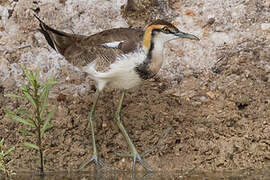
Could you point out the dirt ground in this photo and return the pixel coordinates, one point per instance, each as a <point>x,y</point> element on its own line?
<point>220,117</point>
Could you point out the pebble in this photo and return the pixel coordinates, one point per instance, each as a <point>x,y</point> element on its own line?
<point>203,98</point>
<point>210,94</point>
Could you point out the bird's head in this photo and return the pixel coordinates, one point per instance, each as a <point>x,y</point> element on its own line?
<point>162,31</point>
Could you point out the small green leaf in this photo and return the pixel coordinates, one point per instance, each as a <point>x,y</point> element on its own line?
<point>23,111</point>
<point>43,108</point>
<point>25,132</point>
<point>8,151</point>
<point>13,96</point>
<point>18,118</point>
<point>2,142</point>
<point>24,88</point>
<point>26,73</point>
<point>30,145</point>
<point>44,100</point>
<point>30,99</point>
<point>44,93</point>
<point>46,125</point>
<point>46,129</point>
<point>49,83</point>
<point>31,75</point>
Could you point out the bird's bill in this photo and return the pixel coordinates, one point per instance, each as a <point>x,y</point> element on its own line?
<point>186,35</point>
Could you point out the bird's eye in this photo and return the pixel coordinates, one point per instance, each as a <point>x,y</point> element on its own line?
<point>166,30</point>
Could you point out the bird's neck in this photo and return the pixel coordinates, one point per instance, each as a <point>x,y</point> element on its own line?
<point>153,49</point>
<point>155,56</point>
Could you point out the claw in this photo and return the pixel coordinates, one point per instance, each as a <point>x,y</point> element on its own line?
<point>137,158</point>
<point>98,162</point>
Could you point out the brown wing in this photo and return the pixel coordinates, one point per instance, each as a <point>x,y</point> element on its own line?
<point>82,50</point>
<point>86,50</point>
<point>103,56</point>
<point>81,56</point>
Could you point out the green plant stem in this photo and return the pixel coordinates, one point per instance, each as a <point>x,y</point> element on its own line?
<point>40,151</point>
<point>41,155</point>
<point>38,118</point>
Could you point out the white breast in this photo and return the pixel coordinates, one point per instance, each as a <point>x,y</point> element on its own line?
<point>121,75</point>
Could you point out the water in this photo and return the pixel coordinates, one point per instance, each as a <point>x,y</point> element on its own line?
<point>247,174</point>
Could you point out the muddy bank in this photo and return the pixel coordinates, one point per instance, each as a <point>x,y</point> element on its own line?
<point>215,95</point>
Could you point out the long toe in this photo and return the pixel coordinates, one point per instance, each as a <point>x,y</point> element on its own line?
<point>137,158</point>
<point>97,161</point>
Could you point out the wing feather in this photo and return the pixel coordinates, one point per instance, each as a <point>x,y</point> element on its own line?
<point>103,47</point>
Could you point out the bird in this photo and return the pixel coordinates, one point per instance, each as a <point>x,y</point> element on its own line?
<point>119,58</point>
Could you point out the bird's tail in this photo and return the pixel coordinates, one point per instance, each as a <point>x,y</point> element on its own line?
<point>58,40</point>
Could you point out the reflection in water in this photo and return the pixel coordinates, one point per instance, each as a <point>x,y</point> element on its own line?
<point>247,174</point>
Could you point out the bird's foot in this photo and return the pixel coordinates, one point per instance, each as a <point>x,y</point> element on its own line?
<point>98,162</point>
<point>137,158</point>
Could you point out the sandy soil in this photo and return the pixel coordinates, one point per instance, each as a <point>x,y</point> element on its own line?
<point>220,116</point>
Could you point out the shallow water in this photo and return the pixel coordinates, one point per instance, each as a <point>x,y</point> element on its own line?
<point>247,174</point>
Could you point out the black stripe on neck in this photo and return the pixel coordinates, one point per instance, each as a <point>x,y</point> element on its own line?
<point>143,69</point>
<point>149,54</point>
<point>152,45</point>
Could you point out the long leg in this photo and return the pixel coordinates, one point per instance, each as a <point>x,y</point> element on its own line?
<point>94,157</point>
<point>136,156</point>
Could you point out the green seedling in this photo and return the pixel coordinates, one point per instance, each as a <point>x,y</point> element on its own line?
<point>38,118</point>
<point>3,155</point>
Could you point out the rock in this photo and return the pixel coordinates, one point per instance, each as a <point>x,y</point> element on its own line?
<point>265,27</point>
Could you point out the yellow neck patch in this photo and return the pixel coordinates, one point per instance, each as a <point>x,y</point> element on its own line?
<point>148,35</point>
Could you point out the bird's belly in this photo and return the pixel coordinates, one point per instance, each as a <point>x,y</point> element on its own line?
<point>126,79</point>
<point>121,74</point>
